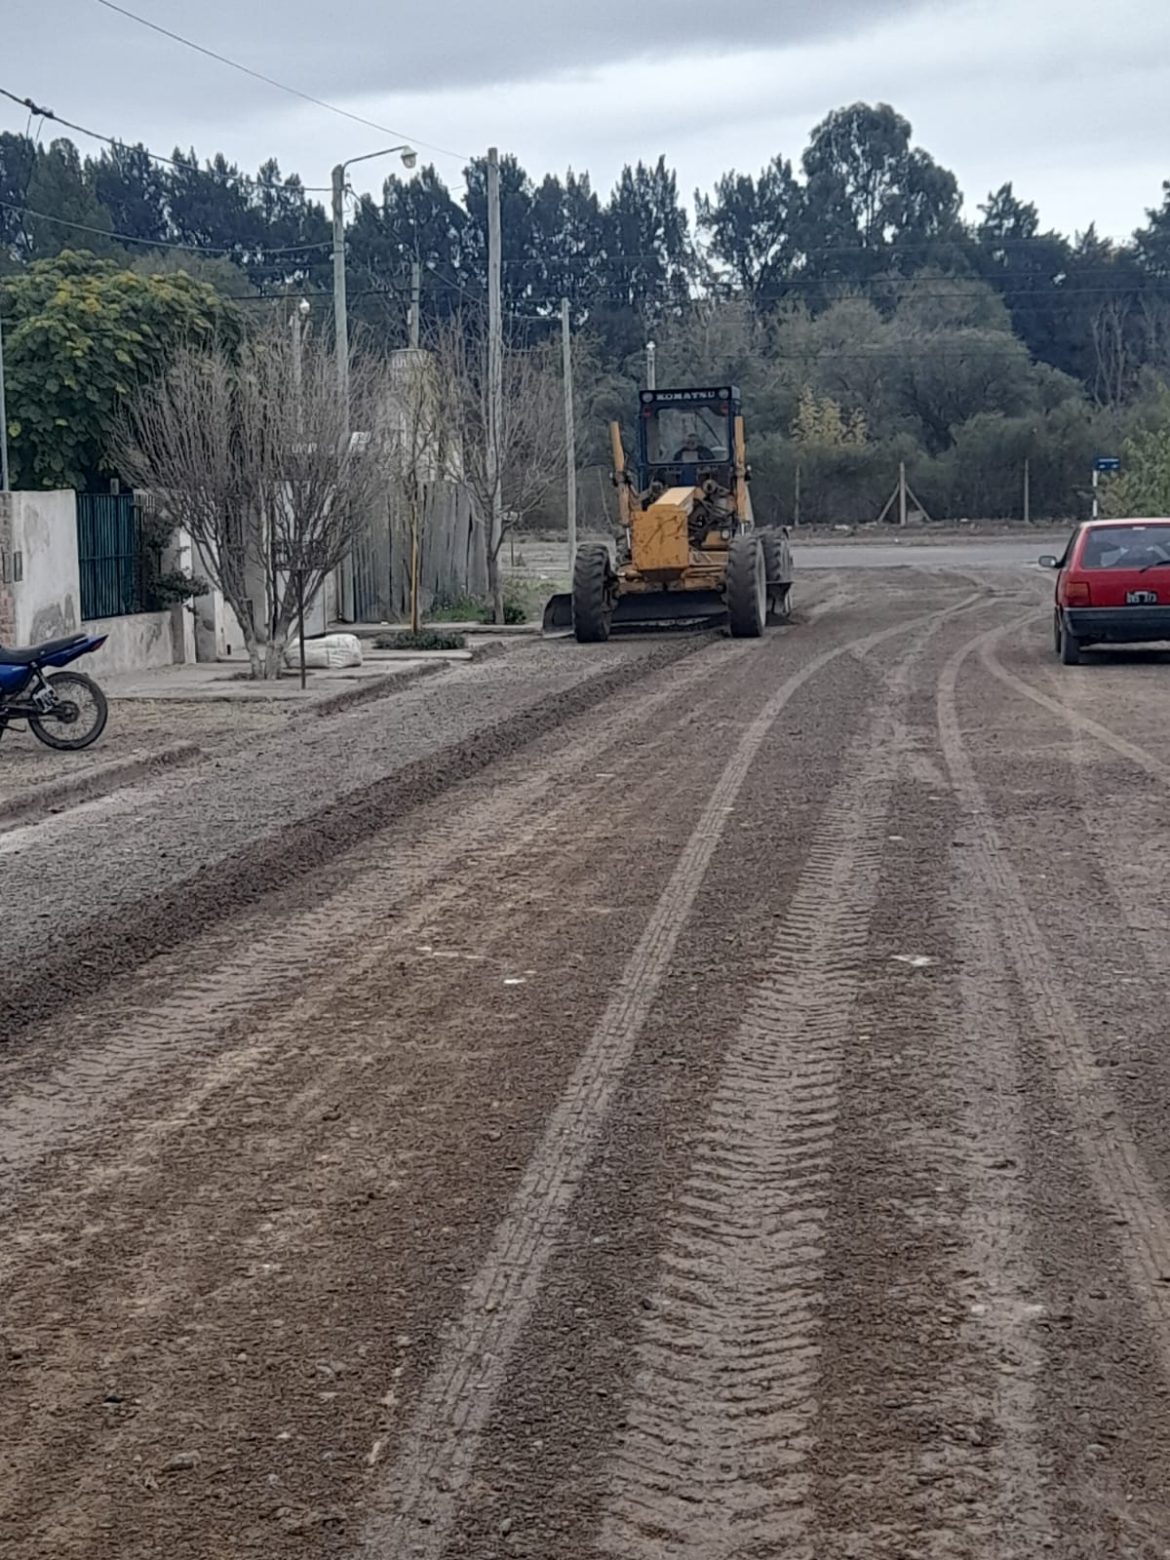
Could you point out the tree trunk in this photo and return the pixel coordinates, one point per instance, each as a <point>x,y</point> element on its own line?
<point>496,586</point>
<point>266,656</point>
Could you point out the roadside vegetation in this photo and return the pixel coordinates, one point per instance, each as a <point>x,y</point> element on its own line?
<point>872,319</point>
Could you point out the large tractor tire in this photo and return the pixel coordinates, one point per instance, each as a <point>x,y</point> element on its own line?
<point>778,567</point>
<point>747,587</point>
<point>594,589</point>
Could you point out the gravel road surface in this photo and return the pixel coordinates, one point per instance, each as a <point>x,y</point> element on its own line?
<point>685,1099</point>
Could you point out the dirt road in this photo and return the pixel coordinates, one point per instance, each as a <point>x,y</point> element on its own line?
<point>703,1101</point>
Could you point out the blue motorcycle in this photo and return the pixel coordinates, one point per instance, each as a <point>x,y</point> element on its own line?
<point>65,710</point>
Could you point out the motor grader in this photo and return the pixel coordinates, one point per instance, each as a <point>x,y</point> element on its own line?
<point>688,550</point>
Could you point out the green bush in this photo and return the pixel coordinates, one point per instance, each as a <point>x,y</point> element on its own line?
<point>425,639</point>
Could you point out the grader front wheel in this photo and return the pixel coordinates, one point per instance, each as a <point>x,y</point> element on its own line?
<point>747,587</point>
<point>593,595</point>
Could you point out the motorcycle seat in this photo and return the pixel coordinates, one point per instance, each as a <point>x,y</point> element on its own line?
<point>27,654</point>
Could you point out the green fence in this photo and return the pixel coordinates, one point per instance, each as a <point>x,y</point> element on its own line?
<point>109,555</point>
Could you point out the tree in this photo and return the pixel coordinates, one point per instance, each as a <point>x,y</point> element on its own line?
<point>754,228</point>
<point>870,195</point>
<point>80,336</point>
<point>648,241</point>
<point>419,444</point>
<point>509,475</point>
<point>1143,487</point>
<point>251,454</point>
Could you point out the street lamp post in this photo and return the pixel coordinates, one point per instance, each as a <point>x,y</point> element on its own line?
<point>341,322</point>
<point>299,319</point>
<point>340,318</point>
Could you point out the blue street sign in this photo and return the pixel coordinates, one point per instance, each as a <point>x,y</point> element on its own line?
<point>1107,463</point>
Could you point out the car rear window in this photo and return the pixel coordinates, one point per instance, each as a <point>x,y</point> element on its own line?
<point>1125,546</point>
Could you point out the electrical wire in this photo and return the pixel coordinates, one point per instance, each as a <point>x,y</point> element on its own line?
<point>281,86</point>
<point>158,243</point>
<point>157,157</point>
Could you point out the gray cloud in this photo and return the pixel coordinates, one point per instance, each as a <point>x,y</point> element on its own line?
<point>368,46</point>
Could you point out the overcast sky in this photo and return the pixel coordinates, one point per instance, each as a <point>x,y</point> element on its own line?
<point>1069,99</point>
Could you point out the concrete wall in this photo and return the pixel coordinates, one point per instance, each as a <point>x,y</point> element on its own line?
<point>40,589</point>
<point>41,566</point>
<point>136,642</point>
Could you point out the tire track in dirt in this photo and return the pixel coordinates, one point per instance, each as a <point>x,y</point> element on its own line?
<point>929,1439</point>
<point>127,1241</point>
<point>716,1459</point>
<point>1121,1181</point>
<point>1120,745</point>
<point>119,1042</point>
<point>416,1509</point>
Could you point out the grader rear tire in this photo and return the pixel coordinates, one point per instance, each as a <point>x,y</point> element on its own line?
<point>778,565</point>
<point>593,594</point>
<point>747,587</point>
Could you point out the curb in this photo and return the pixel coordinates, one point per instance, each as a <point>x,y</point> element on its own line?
<point>96,782</point>
<point>386,687</point>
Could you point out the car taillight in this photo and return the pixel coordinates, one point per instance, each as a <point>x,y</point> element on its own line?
<point>1076,594</point>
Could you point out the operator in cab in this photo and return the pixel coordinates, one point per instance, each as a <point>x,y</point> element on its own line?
<point>692,451</point>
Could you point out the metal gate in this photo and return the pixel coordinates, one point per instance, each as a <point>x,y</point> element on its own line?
<point>109,555</point>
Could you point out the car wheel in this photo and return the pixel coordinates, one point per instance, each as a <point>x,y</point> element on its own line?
<point>1070,649</point>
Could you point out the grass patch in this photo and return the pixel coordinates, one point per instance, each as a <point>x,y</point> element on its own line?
<point>425,639</point>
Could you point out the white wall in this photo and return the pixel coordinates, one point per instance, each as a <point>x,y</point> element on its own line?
<point>137,642</point>
<point>47,596</point>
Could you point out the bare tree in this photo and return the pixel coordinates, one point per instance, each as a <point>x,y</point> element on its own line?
<point>421,448</point>
<point>252,455</point>
<point>529,442</point>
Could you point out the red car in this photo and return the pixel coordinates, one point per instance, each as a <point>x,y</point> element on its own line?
<point>1113,586</point>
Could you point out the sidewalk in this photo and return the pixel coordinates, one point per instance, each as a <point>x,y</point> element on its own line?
<point>229,680</point>
<point>176,715</point>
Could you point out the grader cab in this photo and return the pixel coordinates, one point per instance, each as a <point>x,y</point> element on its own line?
<point>688,551</point>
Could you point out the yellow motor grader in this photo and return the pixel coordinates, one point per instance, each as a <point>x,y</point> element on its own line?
<point>689,550</point>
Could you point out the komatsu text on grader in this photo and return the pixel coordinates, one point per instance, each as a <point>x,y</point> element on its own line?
<point>689,551</point>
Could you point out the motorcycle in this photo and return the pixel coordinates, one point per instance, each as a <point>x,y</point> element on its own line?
<point>65,710</point>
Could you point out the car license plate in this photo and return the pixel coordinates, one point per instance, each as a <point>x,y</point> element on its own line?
<point>1141,598</point>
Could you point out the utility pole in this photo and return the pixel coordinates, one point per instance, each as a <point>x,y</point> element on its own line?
<point>495,398</point>
<point>651,366</point>
<point>570,433</point>
<point>340,315</point>
<point>415,301</point>
<point>902,493</point>
<point>1027,490</point>
<point>3,420</point>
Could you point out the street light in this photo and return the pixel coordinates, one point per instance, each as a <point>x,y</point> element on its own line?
<point>340,318</point>
<point>300,318</point>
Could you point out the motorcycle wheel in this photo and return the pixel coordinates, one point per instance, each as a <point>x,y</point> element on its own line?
<point>79,716</point>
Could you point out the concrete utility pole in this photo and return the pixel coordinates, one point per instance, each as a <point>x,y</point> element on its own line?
<point>1027,490</point>
<point>340,313</point>
<point>570,433</point>
<point>651,366</point>
<point>415,302</point>
<point>495,399</point>
<point>3,420</point>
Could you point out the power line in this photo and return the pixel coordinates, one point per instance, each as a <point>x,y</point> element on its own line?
<point>270,81</point>
<point>160,243</point>
<point>157,157</point>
